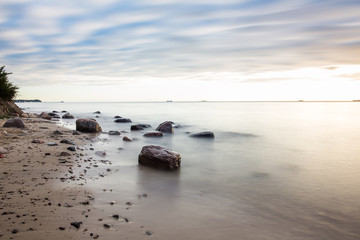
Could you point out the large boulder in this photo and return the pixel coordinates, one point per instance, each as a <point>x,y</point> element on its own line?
<point>45,115</point>
<point>14,123</point>
<point>159,157</point>
<point>165,127</point>
<point>87,125</point>
<point>203,135</point>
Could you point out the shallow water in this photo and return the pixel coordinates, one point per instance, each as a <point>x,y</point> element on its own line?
<point>273,171</point>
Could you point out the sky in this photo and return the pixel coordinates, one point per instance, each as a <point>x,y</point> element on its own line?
<point>182,50</point>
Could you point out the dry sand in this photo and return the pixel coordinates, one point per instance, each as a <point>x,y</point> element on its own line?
<point>42,192</point>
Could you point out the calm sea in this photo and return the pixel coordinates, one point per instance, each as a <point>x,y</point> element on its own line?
<point>274,170</point>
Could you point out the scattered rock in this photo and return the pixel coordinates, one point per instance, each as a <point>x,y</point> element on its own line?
<point>100,153</point>
<point>97,112</point>
<point>149,233</point>
<point>37,141</point>
<point>153,134</point>
<point>76,133</point>
<point>114,133</point>
<point>68,116</point>
<point>14,231</point>
<point>159,157</point>
<point>65,154</point>
<point>117,117</point>
<point>61,228</point>
<point>203,135</point>
<point>76,224</point>
<point>57,132</point>
<point>72,148</point>
<point>67,141</point>
<point>106,225</point>
<point>87,125</point>
<point>144,125</point>
<point>116,216</point>
<point>136,128</point>
<point>126,139</point>
<point>45,115</point>
<point>52,144</point>
<point>14,123</point>
<point>165,127</point>
<point>122,120</point>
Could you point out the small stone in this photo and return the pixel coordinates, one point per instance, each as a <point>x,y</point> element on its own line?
<point>72,148</point>
<point>126,139</point>
<point>106,225</point>
<point>61,228</point>
<point>67,141</point>
<point>14,231</point>
<point>76,224</point>
<point>37,141</point>
<point>148,233</point>
<point>52,144</point>
<point>122,120</point>
<point>116,216</point>
<point>114,133</point>
<point>65,154</point>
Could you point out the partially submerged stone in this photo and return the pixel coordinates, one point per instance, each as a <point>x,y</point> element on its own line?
<point>114,133</point>
<point>206,134</point>
<point>159,157</point>
<point>153,134</point>
<point>165,127</point>
<point>14,123</point>
<point>87,125</point>
<point>122,120</point>
<point>68,116</point>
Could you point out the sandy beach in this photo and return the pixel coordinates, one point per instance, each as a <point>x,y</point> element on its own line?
<point>43,187</point>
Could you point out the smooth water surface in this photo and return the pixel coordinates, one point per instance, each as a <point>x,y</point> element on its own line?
<point>273,171</point>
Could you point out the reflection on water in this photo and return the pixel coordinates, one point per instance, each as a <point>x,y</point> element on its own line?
<point>273,171</point>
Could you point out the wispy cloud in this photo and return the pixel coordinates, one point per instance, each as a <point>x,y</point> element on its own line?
<point>106,42</point>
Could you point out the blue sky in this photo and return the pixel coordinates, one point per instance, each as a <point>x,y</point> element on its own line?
<point>182,50</point>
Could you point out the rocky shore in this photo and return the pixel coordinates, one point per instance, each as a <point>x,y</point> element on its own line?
<point>43,195</point>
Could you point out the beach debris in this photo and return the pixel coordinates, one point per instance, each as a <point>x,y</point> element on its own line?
<point>88,125</point>
<point>153,134</point>
<point>166,127</point>
<point>37,141</point>
<point>126,139</point>
<point>114,133</point>
<point>67,141</point>
<point>122,120</point>
<point>159,157</point>
<point>14,123</point>
<point>206,134</point>
<point>68,116</point>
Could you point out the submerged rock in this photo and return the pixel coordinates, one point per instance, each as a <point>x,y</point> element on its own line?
<point>144,125</point>
<point>165,127</point>
<point>153,134</point>
<point>14,123</point>
<point>114,133</point>
<point>126,139</point>
<point>136,128</point>
<point>203,135</point>
<point>159,157</point>
<point>68,116</point>
<point>122,120</point>
<point>88,125</point>
<point>97,112</point>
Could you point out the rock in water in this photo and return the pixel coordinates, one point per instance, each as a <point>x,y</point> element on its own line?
<point>14,123</point>
<point>203,135</point>
<point>68,116</point>
<point>87,125</point>
<point>136,128</point>
<point>159,157</point>
<point>45,115</point>
<point>153,134</point>
<point>114,133</point>
<point>165,127</point>
<point>123,120</point>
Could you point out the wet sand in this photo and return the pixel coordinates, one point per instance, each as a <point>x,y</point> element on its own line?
<point>43,195</point>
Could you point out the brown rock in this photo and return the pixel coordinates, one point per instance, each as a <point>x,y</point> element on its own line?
<point>159,157</point>
<point>14,123</point>
<point>87,125</point>
<point>153,134</point>
<point>165,127</point>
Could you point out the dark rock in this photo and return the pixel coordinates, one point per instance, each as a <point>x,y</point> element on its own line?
<point>165,127</point>
<point>159,157</point>
<point>153,134</point>
<point>76,224</point>
<point>45,115</point>
<point>203,135</point>
<point>56,116</point>
<point>37,141</point>
<point>123,120</point>
<point>114,133</point>
<point>126,139</point>
<point>117,117</point>
<point>116,216</point>
<point>57,132</point>
<point>97,112</point>
<point>55,111</point>
<point>61,228</point>
<point>136,128</point>
<point>14,231</point>
<point>76,133</point>
<point>106,225</point>
<point>14,123</point>
<point>148,233</point>
<point>67,141</point>
<point>144,125</point>
<point>68,116</point>
<point>63,111</point>
<point>87,125</point>
<point>72,148</point>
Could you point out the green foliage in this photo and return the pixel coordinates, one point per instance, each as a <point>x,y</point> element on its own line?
<point>8,91</point>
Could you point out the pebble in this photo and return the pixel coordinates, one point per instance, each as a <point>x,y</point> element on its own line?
<point>106,225</point>
<point>76,224</point>
<point>72,148</point>
<point>148,233</point>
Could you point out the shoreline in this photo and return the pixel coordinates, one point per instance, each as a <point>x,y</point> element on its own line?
<point>43,188</point>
